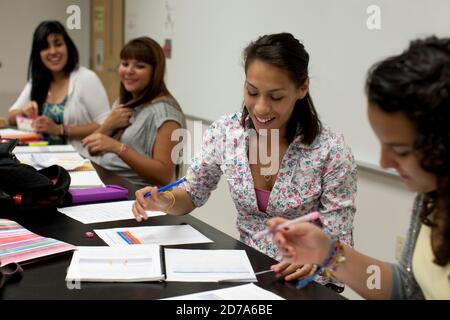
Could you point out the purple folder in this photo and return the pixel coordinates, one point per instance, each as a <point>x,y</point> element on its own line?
<point>108,193</point>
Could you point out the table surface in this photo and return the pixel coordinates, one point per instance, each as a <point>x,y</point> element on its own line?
<point>45,279</point>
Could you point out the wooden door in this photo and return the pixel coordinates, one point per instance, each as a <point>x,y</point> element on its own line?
<point>107,25</point>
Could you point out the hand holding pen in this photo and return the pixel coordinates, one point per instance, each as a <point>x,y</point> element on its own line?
<point>309,217</point>
<point>154,199</point>
<point>169,186</point>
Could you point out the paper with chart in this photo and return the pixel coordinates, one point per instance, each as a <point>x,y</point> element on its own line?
<point>208,266</point>
<point>104,212</point>
<point>162,235</point>
<point>243,292</point>
<point>119,264</point>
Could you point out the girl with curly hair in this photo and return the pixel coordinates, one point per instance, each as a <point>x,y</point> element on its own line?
<point>409,111</point>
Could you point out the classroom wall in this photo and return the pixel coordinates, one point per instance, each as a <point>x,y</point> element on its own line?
<point>344,39</point>
<point>18,19</point>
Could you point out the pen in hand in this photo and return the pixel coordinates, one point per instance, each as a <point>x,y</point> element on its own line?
<point>309,217</point>
<point>170,186</point>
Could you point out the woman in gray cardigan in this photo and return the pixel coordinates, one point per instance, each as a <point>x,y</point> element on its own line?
<point>409,111</point>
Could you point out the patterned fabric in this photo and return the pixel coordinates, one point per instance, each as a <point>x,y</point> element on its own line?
<point>321,176</point>
<point>54,111</point>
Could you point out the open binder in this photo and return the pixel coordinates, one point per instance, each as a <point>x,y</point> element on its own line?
<point>140,263</point>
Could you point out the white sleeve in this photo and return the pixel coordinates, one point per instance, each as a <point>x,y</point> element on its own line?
<point>95,98</point>
<point>24,97</point>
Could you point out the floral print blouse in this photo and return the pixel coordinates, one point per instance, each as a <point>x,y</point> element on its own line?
<point>320,176</point>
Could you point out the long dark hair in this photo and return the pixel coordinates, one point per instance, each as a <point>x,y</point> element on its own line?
<point>38,73</point>
<point>285,52</point>
<point>417,84</point>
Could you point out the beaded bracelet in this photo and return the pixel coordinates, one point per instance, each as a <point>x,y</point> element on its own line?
<point>335,258</point>
<point>328,266</point>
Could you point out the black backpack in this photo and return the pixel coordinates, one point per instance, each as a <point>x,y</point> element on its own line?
<point>23,188</point>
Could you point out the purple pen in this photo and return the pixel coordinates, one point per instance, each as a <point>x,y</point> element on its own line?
<point>309,217</point>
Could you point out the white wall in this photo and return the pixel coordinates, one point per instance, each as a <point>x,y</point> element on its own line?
<point>18,19</point>
<point>208,36</point>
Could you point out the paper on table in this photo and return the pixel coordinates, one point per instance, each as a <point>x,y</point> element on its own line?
<point>103,212</point>
<point>13,132</point>
<point>208,266</point>
<point>85,179</point>
<point>68,160</point>
<point>162,235</point>
<point>45,149</point>
<point>120,264</point>
<point>242,292</point>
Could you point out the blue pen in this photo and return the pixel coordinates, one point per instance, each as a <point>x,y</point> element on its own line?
<point>169,186</point>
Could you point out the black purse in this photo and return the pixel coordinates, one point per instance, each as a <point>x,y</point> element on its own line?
<point>22,187</point>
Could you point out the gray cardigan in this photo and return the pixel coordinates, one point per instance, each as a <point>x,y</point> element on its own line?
<point>404,285</point>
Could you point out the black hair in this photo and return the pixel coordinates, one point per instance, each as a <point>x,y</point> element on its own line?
<point>38,74</point>
<point>416,83</point>
<point>285,52</point>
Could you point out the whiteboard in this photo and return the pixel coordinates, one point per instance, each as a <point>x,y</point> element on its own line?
<point>206,75</point>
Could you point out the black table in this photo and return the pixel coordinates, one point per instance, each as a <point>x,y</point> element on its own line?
<point>45,279</point>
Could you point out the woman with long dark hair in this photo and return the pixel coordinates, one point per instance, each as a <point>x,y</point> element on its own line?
<point>409,111</point>
<point>307,167</point>
<point>66,101</point>
<point>135,140</point>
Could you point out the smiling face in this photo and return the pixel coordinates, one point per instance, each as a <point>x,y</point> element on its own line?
<point>270,96</point>
<point>55,56</point>
<point>135,75</point>
<point>397,134</point>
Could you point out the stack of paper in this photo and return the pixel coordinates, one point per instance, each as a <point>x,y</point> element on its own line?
<point>68,160</point>
<point>18,244</point>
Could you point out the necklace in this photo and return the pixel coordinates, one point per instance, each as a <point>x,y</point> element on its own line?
<point>267,178</point>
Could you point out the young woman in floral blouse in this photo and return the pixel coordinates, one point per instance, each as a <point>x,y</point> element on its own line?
<point>307,166</point>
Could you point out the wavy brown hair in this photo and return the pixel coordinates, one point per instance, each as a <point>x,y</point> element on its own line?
<point>417,84</point>
<point>285,52</point>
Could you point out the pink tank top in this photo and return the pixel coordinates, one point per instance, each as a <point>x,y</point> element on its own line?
<point>262,198</point>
